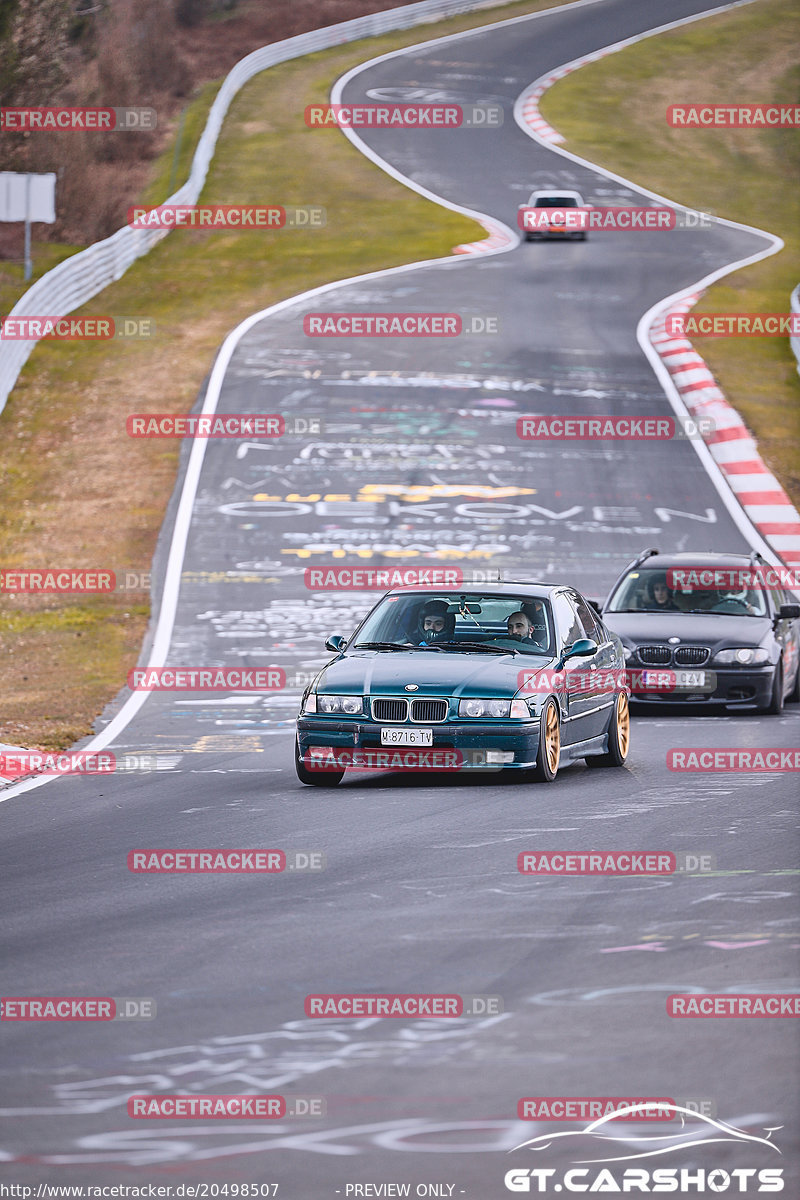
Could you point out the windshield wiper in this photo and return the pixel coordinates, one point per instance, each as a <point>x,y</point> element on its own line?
<point>474,646</point>
<point>384,646</point>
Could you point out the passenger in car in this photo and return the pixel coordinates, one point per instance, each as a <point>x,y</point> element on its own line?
<point>659,596</point>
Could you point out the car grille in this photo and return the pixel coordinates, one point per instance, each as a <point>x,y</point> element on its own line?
<point>684,656</point>
<point>692,656</point>
<point>655,656</point>
<point>390,710</point>
<point>397,710</point>
<point>428,710</point>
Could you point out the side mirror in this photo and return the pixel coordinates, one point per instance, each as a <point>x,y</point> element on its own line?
<point>335,642</point>
<point>580,649</point>
<point>595,604</point>
<point>789,612</point>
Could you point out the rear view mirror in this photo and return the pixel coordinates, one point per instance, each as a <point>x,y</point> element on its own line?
<point>789,612</point>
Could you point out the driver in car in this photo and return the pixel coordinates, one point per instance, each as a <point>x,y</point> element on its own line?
<point>435,623</point>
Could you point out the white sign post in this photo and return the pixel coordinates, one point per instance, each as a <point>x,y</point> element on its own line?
<point>27,198</point>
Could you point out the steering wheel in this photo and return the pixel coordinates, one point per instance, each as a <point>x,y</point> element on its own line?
<point>736,600</point>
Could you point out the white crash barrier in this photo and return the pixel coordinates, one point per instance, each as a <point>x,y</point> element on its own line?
<point>77,279</point>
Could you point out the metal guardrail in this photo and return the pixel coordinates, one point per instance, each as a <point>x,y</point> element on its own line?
<point>74,281</point>
<point>794,341</point>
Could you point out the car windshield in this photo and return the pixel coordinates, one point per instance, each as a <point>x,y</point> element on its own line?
<point>450,620</point>
<point>650,591</point>
<point>555,202</point>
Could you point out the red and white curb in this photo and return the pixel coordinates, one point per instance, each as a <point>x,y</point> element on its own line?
<point>731,444</point>
<point>498,239</point>
<point>529,100</point>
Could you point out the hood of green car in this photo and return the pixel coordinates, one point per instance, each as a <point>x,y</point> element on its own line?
<point>435,672</point>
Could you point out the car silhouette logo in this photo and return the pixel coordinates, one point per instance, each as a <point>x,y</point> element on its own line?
<point>412,687</point>
<point>673,641</point>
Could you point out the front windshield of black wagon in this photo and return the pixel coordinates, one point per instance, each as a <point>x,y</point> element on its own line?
<point>430,618</point>
<point>651,591</point>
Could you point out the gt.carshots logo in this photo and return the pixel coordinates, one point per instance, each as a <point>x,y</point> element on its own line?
<point>677,1180</point>
<point>599,1150</point>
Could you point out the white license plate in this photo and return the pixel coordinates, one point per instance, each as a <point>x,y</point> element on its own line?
<point>406,737</point>
<point>690,679</point>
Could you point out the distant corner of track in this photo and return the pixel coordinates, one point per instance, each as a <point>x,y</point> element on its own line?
<point>753,496</point>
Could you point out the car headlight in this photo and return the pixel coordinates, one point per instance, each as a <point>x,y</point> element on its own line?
<point>629,652</point>
<point>743,656</point>
<point>484,708</point>
<point>351,705</point>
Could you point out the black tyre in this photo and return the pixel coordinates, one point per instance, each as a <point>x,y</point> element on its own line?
<point>317,778</point>
<point>774,706</point>
<point>619,737</point>
<point>794,694</point>
<point>549,753</point>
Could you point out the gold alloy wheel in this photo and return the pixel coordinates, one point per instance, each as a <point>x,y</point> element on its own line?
<point>552,739</point>
<point>623,725</point>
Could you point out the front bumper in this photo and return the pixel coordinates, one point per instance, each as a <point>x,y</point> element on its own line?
<point>517,741</point>
<point>736,686</point>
